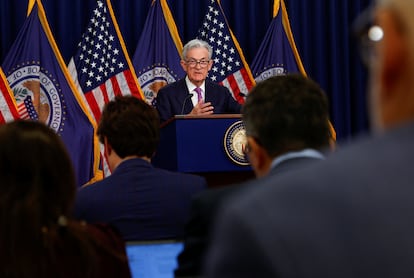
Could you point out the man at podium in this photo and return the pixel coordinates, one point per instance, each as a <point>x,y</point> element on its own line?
<point>194,94</point>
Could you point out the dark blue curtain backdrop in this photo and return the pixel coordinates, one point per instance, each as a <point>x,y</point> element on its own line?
<point>321,29</point>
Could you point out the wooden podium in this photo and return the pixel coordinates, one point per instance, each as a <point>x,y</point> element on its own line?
<point>200,145</point>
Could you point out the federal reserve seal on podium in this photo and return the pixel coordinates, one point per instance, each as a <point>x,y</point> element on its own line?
<point>234,143</point>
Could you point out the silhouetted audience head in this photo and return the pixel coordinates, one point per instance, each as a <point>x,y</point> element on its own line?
<point>130,126</point>
<point>37,179</point>
<point>37,191</point>
<point>287,113</point>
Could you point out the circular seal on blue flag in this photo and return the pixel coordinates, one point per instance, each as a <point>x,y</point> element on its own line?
<point>154,78</point>
<point>273,70</point>
<point>234,143</point>
<point>37,96</point>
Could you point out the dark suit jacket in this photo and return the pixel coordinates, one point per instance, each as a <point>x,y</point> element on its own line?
<point>204,209</point>
<point>173,99</point>
<point>348,216</point>
<point>141,201</point>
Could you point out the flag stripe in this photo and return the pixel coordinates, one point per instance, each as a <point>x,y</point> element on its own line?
<point>116,80</point>
<point>132,86</point>
<point>24,115</point>
<point>6,112</point>
<point>2,119</point>
<point>230,82</point>
<point>248,81</point>
<point>104,93</point>
<point>105,165</point>
<point>239,82</point>
<point>93,105</point>
<point>8,109</point>
<point>110,92</point>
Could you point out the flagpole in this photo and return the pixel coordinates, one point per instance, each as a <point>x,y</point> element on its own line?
<point>171,25</point>
<point>276,6</point>
<point>30,6</point>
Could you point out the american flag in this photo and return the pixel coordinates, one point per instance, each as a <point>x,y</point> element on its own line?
<point>230,68</point>
<point>26,109</point>
<point>8,109</point>
<point>101,68</point>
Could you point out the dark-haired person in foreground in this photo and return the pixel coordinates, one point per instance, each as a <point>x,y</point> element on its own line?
<point>287,127</point>
<point>352,214</point>
<point>38,236</point>
<point>142,201</point>
<point>181,97</point>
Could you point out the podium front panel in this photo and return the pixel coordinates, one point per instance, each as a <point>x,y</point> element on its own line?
<point>196,145</point>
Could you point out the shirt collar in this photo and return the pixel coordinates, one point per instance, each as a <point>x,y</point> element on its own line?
<point>191,86</point>
<point>311,153</point>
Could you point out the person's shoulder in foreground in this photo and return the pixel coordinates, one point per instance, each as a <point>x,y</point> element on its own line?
<point>321,221</point>
<point>351,215</point>
<point>39,237</point>
<point>204,207</point>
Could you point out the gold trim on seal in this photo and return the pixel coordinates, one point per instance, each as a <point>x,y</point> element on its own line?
<point>234,142</point>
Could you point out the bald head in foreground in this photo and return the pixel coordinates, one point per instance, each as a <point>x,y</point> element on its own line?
<point>352,214</point>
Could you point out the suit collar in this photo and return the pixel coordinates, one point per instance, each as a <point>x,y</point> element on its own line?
<point>306,153</point>
<point>132,163</point>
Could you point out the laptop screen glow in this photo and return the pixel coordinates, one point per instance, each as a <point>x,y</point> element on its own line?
<point>148,259</point>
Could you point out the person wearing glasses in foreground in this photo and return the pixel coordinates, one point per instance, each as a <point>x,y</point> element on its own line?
<point>352,214</point>
<point>181,97</point>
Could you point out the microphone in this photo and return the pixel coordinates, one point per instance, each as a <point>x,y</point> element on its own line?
<point>243,95</point>
<point>185,100</point>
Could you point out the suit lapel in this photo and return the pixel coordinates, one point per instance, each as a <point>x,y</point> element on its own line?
<point>207,92</point>
<point>188,105</point>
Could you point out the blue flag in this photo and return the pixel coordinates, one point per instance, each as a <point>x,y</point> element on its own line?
<point>38,77</point>
<point>157,56</point>
<point>277,54</point>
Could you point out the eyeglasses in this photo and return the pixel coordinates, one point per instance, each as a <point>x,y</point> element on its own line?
<point>193,63</point>
<point>368,33</point>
